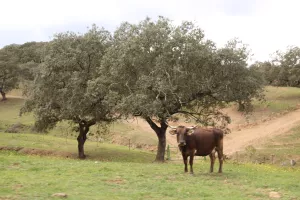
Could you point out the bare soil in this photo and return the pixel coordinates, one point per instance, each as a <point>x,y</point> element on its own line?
<point>241,135</point>
<point>256,134</point>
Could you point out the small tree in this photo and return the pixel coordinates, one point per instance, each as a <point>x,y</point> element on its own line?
<point>61,89</point>
<point>9,70</point>
<point>161,69</point>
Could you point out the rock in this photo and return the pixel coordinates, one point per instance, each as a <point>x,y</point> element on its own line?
<point>63,195</point>
<point>274,195</point>
<point>293,162</point>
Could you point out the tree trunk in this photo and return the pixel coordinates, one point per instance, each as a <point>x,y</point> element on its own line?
<point>161,148</point>
<point>3,95</point>
<point>83,130</point>
<point>161,135</point>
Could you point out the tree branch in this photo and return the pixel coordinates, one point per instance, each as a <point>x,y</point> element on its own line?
<point>152,124</point>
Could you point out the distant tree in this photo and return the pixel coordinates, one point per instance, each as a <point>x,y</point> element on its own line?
<point>285,68</point>
<point>240,83</point>
<point>268,70</point>
<point>161,70</point>
<point>9,70</point>
<point>61,88</point>
<point>290,65</point>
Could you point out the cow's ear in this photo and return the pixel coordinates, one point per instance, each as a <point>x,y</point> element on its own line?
<point>190,131</point>
<point>172,132</point>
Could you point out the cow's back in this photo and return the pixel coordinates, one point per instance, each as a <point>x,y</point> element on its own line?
<point>205,140</point>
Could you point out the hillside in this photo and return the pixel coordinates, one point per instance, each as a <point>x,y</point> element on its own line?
<point>277,115</point>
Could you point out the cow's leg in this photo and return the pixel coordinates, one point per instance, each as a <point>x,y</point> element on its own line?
<point>212,160</point>
<point>185,163</point>
<point>191,162</point>
<point>220,155</point>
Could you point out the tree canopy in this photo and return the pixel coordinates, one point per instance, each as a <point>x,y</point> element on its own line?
<point>161,69</point>
<point>61,88</point>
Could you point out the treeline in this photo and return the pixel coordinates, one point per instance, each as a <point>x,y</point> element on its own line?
<point>151,69</point>
<point>282,70</point>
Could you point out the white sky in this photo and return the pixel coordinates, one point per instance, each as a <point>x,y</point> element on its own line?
<point>266,25</point>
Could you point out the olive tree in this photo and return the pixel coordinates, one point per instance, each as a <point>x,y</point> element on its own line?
<point>161,69</point>
<point>61,88</point>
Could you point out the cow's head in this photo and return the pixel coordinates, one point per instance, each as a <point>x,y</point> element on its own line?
<point>181,132</point>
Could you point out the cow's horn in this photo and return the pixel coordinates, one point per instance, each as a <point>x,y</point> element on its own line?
<point>191,127</point>
<point>173,127</point>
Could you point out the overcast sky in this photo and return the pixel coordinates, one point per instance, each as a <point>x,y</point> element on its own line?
<point>266,25</point>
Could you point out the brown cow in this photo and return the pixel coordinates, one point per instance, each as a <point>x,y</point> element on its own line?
<point>193,141</point>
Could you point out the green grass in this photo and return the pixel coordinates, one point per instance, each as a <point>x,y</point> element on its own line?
<point>10,113</point>
<point>34,177</point>
<point>279,99</point>
<point>96,151</point>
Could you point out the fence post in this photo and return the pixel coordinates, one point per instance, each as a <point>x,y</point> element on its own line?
<point>129,145</point>
<point>168,153</point>
<point>272,158</point>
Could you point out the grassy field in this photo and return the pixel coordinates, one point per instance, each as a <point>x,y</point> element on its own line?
<point>34,177</point>
<point>46,164</point>
<point>10,115</point>
<point>57,146</point>
<point>278,100</point>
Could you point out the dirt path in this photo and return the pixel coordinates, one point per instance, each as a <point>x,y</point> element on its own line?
<point>238,140</point>
<point>14,97</point>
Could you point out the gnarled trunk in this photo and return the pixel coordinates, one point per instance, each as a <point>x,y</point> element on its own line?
<point>161,148</point>
<point>84,128</point>
<point>161,135</point>
<point>3,95</point>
